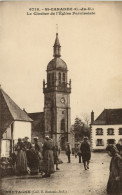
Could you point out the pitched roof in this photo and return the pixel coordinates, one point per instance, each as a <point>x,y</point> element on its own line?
<point>109,117</point>
<point>10,111</point>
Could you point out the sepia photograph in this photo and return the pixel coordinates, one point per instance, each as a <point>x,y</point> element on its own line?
<point>61,98</point>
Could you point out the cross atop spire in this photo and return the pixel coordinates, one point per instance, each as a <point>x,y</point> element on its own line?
<point>56,28</point>
<point>57,47</point>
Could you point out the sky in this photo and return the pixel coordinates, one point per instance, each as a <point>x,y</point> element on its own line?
<point>91,46</point>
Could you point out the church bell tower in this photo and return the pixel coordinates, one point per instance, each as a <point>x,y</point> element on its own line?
<point>57,89</point>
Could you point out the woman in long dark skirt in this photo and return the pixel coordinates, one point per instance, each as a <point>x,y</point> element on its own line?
<point>48,157</point>
<point>119,146</point>
<point>21,159</point>
<point>33,162</point>
<point>114,186</point>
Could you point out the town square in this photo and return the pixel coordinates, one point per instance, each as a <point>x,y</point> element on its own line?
<point>60,98</point>
<point>70,179</point>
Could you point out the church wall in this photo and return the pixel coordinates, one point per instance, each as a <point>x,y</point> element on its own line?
<point>58,100</point>
<point>37,126</point>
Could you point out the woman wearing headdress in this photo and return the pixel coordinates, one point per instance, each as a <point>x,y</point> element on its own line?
<point>21,159</point>
<point>48,157</point>
<point>119,146</point>
<point>34,161</point>
<point>28,147</point>
<point>114,186</point>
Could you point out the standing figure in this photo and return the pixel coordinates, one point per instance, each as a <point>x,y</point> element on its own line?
<point>33,161</point>
<point>114,185</point>
<point>119,146</point>
<point>56,154</point>
<point>38,148</point>
<point>79,152</point>
<point>76,151</point>
<point>86,153</point>
<point>48,157</point>
<point>21,159</point>
<point>68,151</point>
<point>28,147</point>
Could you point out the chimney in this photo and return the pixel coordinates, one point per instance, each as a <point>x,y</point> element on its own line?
<point>92,117</point>
<point>24,110</point>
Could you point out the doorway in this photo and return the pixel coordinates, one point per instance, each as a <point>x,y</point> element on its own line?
<point>62,143</point>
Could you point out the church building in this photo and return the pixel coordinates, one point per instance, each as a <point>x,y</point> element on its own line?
<point>56,117</point>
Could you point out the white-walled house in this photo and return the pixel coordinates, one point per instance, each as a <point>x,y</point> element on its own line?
<point>14,124</point>
<point>106,129</point>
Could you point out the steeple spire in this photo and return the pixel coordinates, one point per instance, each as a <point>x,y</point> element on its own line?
<point>57,48</point>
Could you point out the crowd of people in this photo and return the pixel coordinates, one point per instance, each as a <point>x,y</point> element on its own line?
<point>35,158</point>
<point>42,158</point>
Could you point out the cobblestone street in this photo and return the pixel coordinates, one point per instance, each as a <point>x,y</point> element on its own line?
<point>71,179</point>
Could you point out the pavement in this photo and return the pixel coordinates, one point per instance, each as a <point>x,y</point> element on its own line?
<point>71,179</point>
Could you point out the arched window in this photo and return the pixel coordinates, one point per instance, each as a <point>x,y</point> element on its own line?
<point>59,78</point>
<point>48,79</point>
<point>63,125</point>
<point>64,77</point>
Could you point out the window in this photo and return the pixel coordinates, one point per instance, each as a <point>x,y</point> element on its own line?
<point>120,131</point>
<point>63,78</point>
<point>53,78</point>
<point>63,125</point>
<point>99,142</point>
<point>110,131</point>
<point>48,79</point>
<point>99,131</point>
<point>111,141</point>
<point>59,78</point>
<point>6,148</point>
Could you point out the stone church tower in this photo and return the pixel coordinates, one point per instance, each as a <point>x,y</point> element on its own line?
<point>57,114</point>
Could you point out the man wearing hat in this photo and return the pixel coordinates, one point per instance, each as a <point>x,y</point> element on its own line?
<point>86,153</point>
<point>68,151</point>
<point>79,151</point>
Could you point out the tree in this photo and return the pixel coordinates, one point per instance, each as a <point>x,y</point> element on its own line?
<point>86,118</point>
<point>78,129</point>
<point>81,129</point>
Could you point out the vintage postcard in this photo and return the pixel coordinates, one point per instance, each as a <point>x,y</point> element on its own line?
<point>60,98</point>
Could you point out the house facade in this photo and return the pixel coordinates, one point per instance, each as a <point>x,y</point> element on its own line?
<point>14,124</point>
<point>106,129</point>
